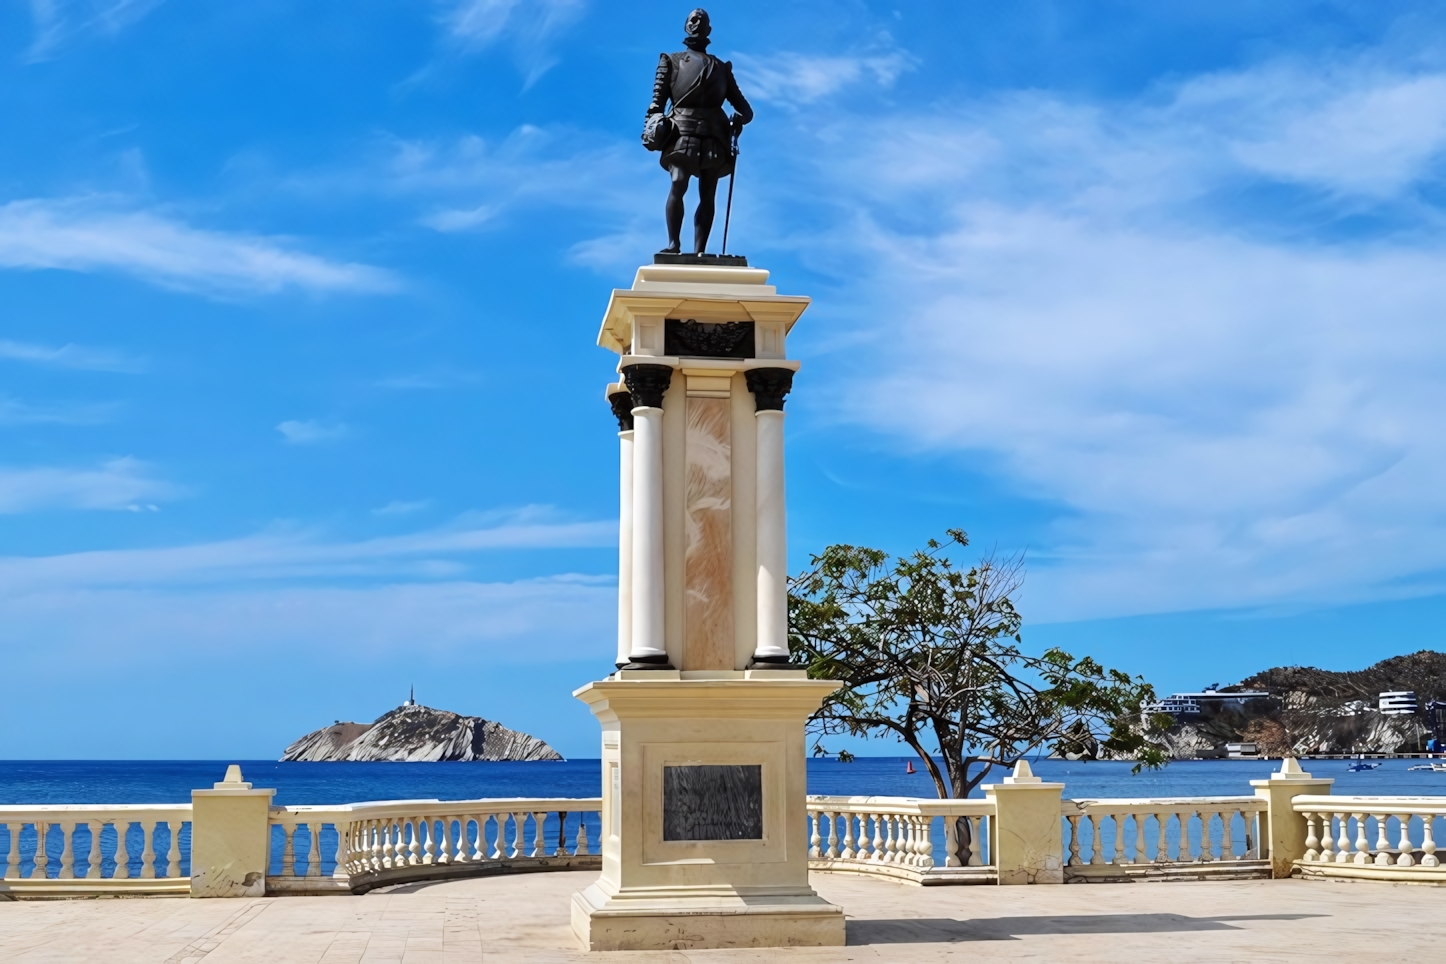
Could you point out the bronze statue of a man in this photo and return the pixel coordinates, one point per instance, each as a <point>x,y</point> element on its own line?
<point>697,136</point>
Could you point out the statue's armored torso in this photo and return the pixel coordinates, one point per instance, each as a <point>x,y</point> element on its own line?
<point>698,84</point>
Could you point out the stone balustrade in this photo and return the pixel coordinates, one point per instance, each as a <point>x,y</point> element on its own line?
<point>1373,838</point>
<point>87,851</point>
<point>1188,837</point>
<point>366,845</point>
<point>917,840</point>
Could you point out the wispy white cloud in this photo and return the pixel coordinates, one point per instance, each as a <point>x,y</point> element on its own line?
<point>311,431</point>
<point>398,507</point>
<point>117,484</point>
<point>71,356</point>
<point>794,79</point>
<point>291,554</point>
<point>1230,404</point>
<point>107,234</point>
<point>527,27</point>
<point>15,412</point>
<point>60,22</point>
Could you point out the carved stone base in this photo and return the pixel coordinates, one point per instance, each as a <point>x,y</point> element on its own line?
<point>664,922</point>
<point>719,260</point>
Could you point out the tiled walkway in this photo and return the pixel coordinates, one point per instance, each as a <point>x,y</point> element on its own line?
<point>525,918</point>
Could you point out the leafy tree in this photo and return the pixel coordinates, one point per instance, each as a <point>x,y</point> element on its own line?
<point>931,654</point>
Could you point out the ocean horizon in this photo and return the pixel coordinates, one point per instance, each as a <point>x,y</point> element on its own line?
<point>24,782</point>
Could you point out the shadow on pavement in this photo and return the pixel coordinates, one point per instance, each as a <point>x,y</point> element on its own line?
<point>945,931</point>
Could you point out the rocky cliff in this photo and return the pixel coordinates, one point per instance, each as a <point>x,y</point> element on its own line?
<point>419,734</point>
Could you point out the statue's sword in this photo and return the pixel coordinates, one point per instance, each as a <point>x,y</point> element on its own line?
<point>728,211</point>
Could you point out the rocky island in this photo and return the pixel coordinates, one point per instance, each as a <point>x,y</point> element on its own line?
<point>413,733</point>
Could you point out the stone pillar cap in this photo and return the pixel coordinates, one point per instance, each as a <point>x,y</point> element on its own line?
<point>1022,774</point>
<point>232,780</point>
<point>233,786</point>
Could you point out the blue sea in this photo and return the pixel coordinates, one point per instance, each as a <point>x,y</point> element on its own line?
<point>171,781</point>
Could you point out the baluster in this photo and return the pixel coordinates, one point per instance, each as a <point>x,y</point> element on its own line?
<point>12,859</point>
<point>475,843</point>
<point>1074,855</point>
<point>288,850</point>
<point>1141,855</point>
<point>345,841</point>
<point>148,853</point>
<point>832,819</point>
<point>42,859</point>
<point>519,839</point>
<point>1162,844</point>
<point>499,843</point>
<point>1097,855</point>
<point>1184,855</point>
<point>1428,842</point>
<point>390,829</point>
<point>849,851</point>
<point>894,838</point>
<point>1343,844</point>
<point>878,839</point>
<point>67,851</point>
<point>977,839</point>
<point>562,834</point>
<point>92,854</point>
<point>951,841</point>
<point>1207,849</point>
<point>1383,843</point>
<point>438,830</point>
<point>581,848</point>
<point>1312,838</point>
<point>427,827</point>
<point>815,836</point>
<point>926,841</point>
<point>1327,838</point>
<point>313,853</point>
<point>1119,822</point>
<point>905,826</point>
<point>122,855</point>
<point>1227,841</point>
<point>1405,851</point>
<point>537,842</point>
<point>414,849</point>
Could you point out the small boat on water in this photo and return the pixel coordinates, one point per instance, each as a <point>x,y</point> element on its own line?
<point>1359,764</point>
<point>1434,767</point>
<point>909,767</point>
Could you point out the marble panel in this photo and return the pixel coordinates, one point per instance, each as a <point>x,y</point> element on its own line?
<point>708,560</point>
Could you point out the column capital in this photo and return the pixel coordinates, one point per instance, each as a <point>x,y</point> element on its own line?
<point>768,386</point>
<point>622,403</point>
<point>647,384</point>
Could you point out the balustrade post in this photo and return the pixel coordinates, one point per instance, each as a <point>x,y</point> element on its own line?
<point>92,856</point>
<point>12,857</point>
<point>1141,856</point>
<point>925,846</point>
<point>313,853</point>
<point>67,852</point>
<point>1312,839</point>
<point>122,856</point>
<point>1428,842</point>
<point>977,840</point>
<point>1283,837</point>
<point>1096,844</point>
<point>42,859</point>
<point>1383,842</point>
<point>849,851</point>
<point>1162,844</point>
<point>951,841</point>
<point>1227,842</point>
<point>230,838</point>
<point>288,850</point>
<point>1074,849</point>
<point>580,849</point>
<point>173,851</point>
<point>1327,839</point>
<point>1206,847</point>
<point>562,833</point>
<point>1027,839</point>
<point>148,849</point>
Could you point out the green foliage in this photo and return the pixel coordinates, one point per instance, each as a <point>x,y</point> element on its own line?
<point>931,653</point>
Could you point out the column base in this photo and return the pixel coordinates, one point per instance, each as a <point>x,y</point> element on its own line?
<point>662,922</point>
<point>775,662</point>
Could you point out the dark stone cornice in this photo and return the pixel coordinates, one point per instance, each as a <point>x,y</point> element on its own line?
<point>648,384</point>
<point>622,403</point>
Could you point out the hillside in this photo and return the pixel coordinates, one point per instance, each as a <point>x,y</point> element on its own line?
<point>417,734</point>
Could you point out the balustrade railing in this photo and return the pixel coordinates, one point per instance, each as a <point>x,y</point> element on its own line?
<point>62,851</point>
<point>365,845</point>
<point>1372,837</point>
<point>1184,836</point>
<point>919,840</point>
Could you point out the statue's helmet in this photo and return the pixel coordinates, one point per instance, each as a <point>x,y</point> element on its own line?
<point>698,24</point>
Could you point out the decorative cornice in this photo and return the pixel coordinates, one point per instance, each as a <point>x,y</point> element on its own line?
<point>699,339</point>
<point>648,384</point>
<point>622,403</point>
<point>768,386</point>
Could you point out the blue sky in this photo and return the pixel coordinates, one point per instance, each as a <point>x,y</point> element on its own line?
<point>300,402</point>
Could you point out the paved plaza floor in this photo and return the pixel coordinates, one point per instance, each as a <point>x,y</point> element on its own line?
<point>525,918</point>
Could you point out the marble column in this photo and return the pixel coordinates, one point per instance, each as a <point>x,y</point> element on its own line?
<point>647,384</point>
<point>622,404</point>
<point>769,386</point>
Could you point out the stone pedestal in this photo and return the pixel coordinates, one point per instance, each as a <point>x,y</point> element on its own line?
<point>705,833</point>
<point>230,838</point>
<point>1028,843</point>
<point>1285,830</point>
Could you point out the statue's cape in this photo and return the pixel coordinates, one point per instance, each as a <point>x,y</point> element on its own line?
<point>694,74</point>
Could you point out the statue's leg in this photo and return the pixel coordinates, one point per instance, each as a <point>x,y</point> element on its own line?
<point>674,210</point>
<point>703,217</point>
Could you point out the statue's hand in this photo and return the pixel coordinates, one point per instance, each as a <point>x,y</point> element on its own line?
<point>736,122</point>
